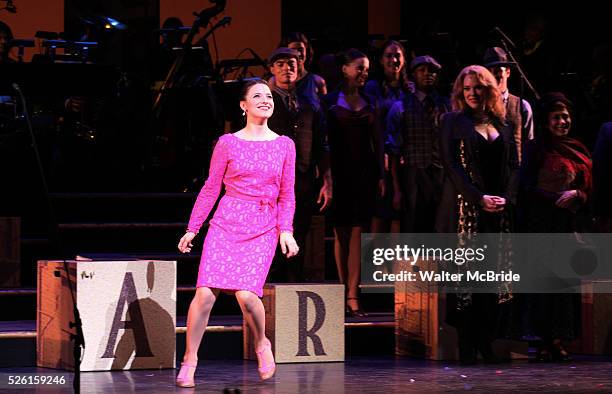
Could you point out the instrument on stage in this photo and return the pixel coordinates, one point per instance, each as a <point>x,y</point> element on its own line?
<point>21,45</point>
<point>58,79</point>
<point>8,115</point>
<point>174,72</point>
<point>50,87</point>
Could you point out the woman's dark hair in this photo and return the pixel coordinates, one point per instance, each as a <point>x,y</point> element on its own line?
<point>4,28</point>
<point>404,79</point>
<point>172,23</point>
<point>347,57</point>
<point>398,44</point>
<point>553,101</point>
<point>550,102</point>
<point>247,85</point>
<point>296,36</point>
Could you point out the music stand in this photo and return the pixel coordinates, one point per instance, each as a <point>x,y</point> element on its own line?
<point>51,46</point>
<point>21,44</point>
<point>47,35</point>
<point>74,49</point>
<point>230,65</point>
<point>181,29</point>
<point>83,48</point>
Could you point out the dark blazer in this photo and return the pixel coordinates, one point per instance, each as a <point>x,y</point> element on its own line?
<point>455,127</point>
<point>306,128</point>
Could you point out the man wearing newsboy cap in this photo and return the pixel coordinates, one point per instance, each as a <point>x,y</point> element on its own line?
<point>518,111</point>
<point>412,141</point>
<point>303,122</point>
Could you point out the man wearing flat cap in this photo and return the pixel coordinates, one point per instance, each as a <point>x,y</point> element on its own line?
<point>412,139</point>
<point>303,122</point>
<point>518,111</point>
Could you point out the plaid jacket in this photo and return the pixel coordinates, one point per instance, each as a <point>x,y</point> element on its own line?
<point>411,134</point>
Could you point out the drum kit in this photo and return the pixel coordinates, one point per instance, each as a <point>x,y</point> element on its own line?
<point>48,88</point>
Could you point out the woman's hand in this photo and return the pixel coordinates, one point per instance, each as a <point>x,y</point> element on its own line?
<point>288,245</point>
<point>492,204</point>
<point>397,200</point>
<point>325,196</point>
<point>381,187</point>
<point>567,198</point>
<point>185,244</point>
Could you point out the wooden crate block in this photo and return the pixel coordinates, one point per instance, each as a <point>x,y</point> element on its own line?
<point>304,322</point>
<point>10,257</point>
<point>420,322</point>
<point>420,327</point>
<point>597,317</point>
<point>128,309</point>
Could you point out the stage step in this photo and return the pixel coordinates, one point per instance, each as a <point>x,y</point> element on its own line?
<point>223,339</point>
<point>142,225</point>
<point>122,207</point>
<point>128,223</point>
<point>23,302</point>
<point>229,323</point>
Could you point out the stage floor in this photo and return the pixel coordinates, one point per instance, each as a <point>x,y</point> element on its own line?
<point>356,375</point>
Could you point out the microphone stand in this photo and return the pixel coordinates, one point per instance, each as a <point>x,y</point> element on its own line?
<point>506,42</point>
<point>78,338</point>
<point>202,19</point>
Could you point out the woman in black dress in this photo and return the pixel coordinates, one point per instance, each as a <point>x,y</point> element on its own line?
<point>356,153</point>
<point>479,156</point>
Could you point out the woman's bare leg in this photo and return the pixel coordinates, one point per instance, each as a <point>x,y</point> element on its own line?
<point>354,268</point>
<point>197,320</point>
<point>341,251</point>
<point>255,316</point>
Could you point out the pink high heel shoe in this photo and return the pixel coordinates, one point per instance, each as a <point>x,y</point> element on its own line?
<point>185,375</point>
<point>266,371</point>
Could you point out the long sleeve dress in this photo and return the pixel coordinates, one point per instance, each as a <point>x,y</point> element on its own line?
<point>258,204</point>
<point>490,168</point>
<point>493,167</point>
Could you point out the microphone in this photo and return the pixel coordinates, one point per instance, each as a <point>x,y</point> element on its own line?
<point>504,36</point>
<point>16,87</point>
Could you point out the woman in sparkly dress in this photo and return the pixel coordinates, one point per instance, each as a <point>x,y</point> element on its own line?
<point>479,156</point>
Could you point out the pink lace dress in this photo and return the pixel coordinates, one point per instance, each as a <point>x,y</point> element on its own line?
<point>258,204</point>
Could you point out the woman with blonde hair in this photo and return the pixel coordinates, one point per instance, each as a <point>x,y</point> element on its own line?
<point>479,156</point>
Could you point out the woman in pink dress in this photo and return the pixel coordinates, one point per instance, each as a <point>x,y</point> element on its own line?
<point>257,167</point>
